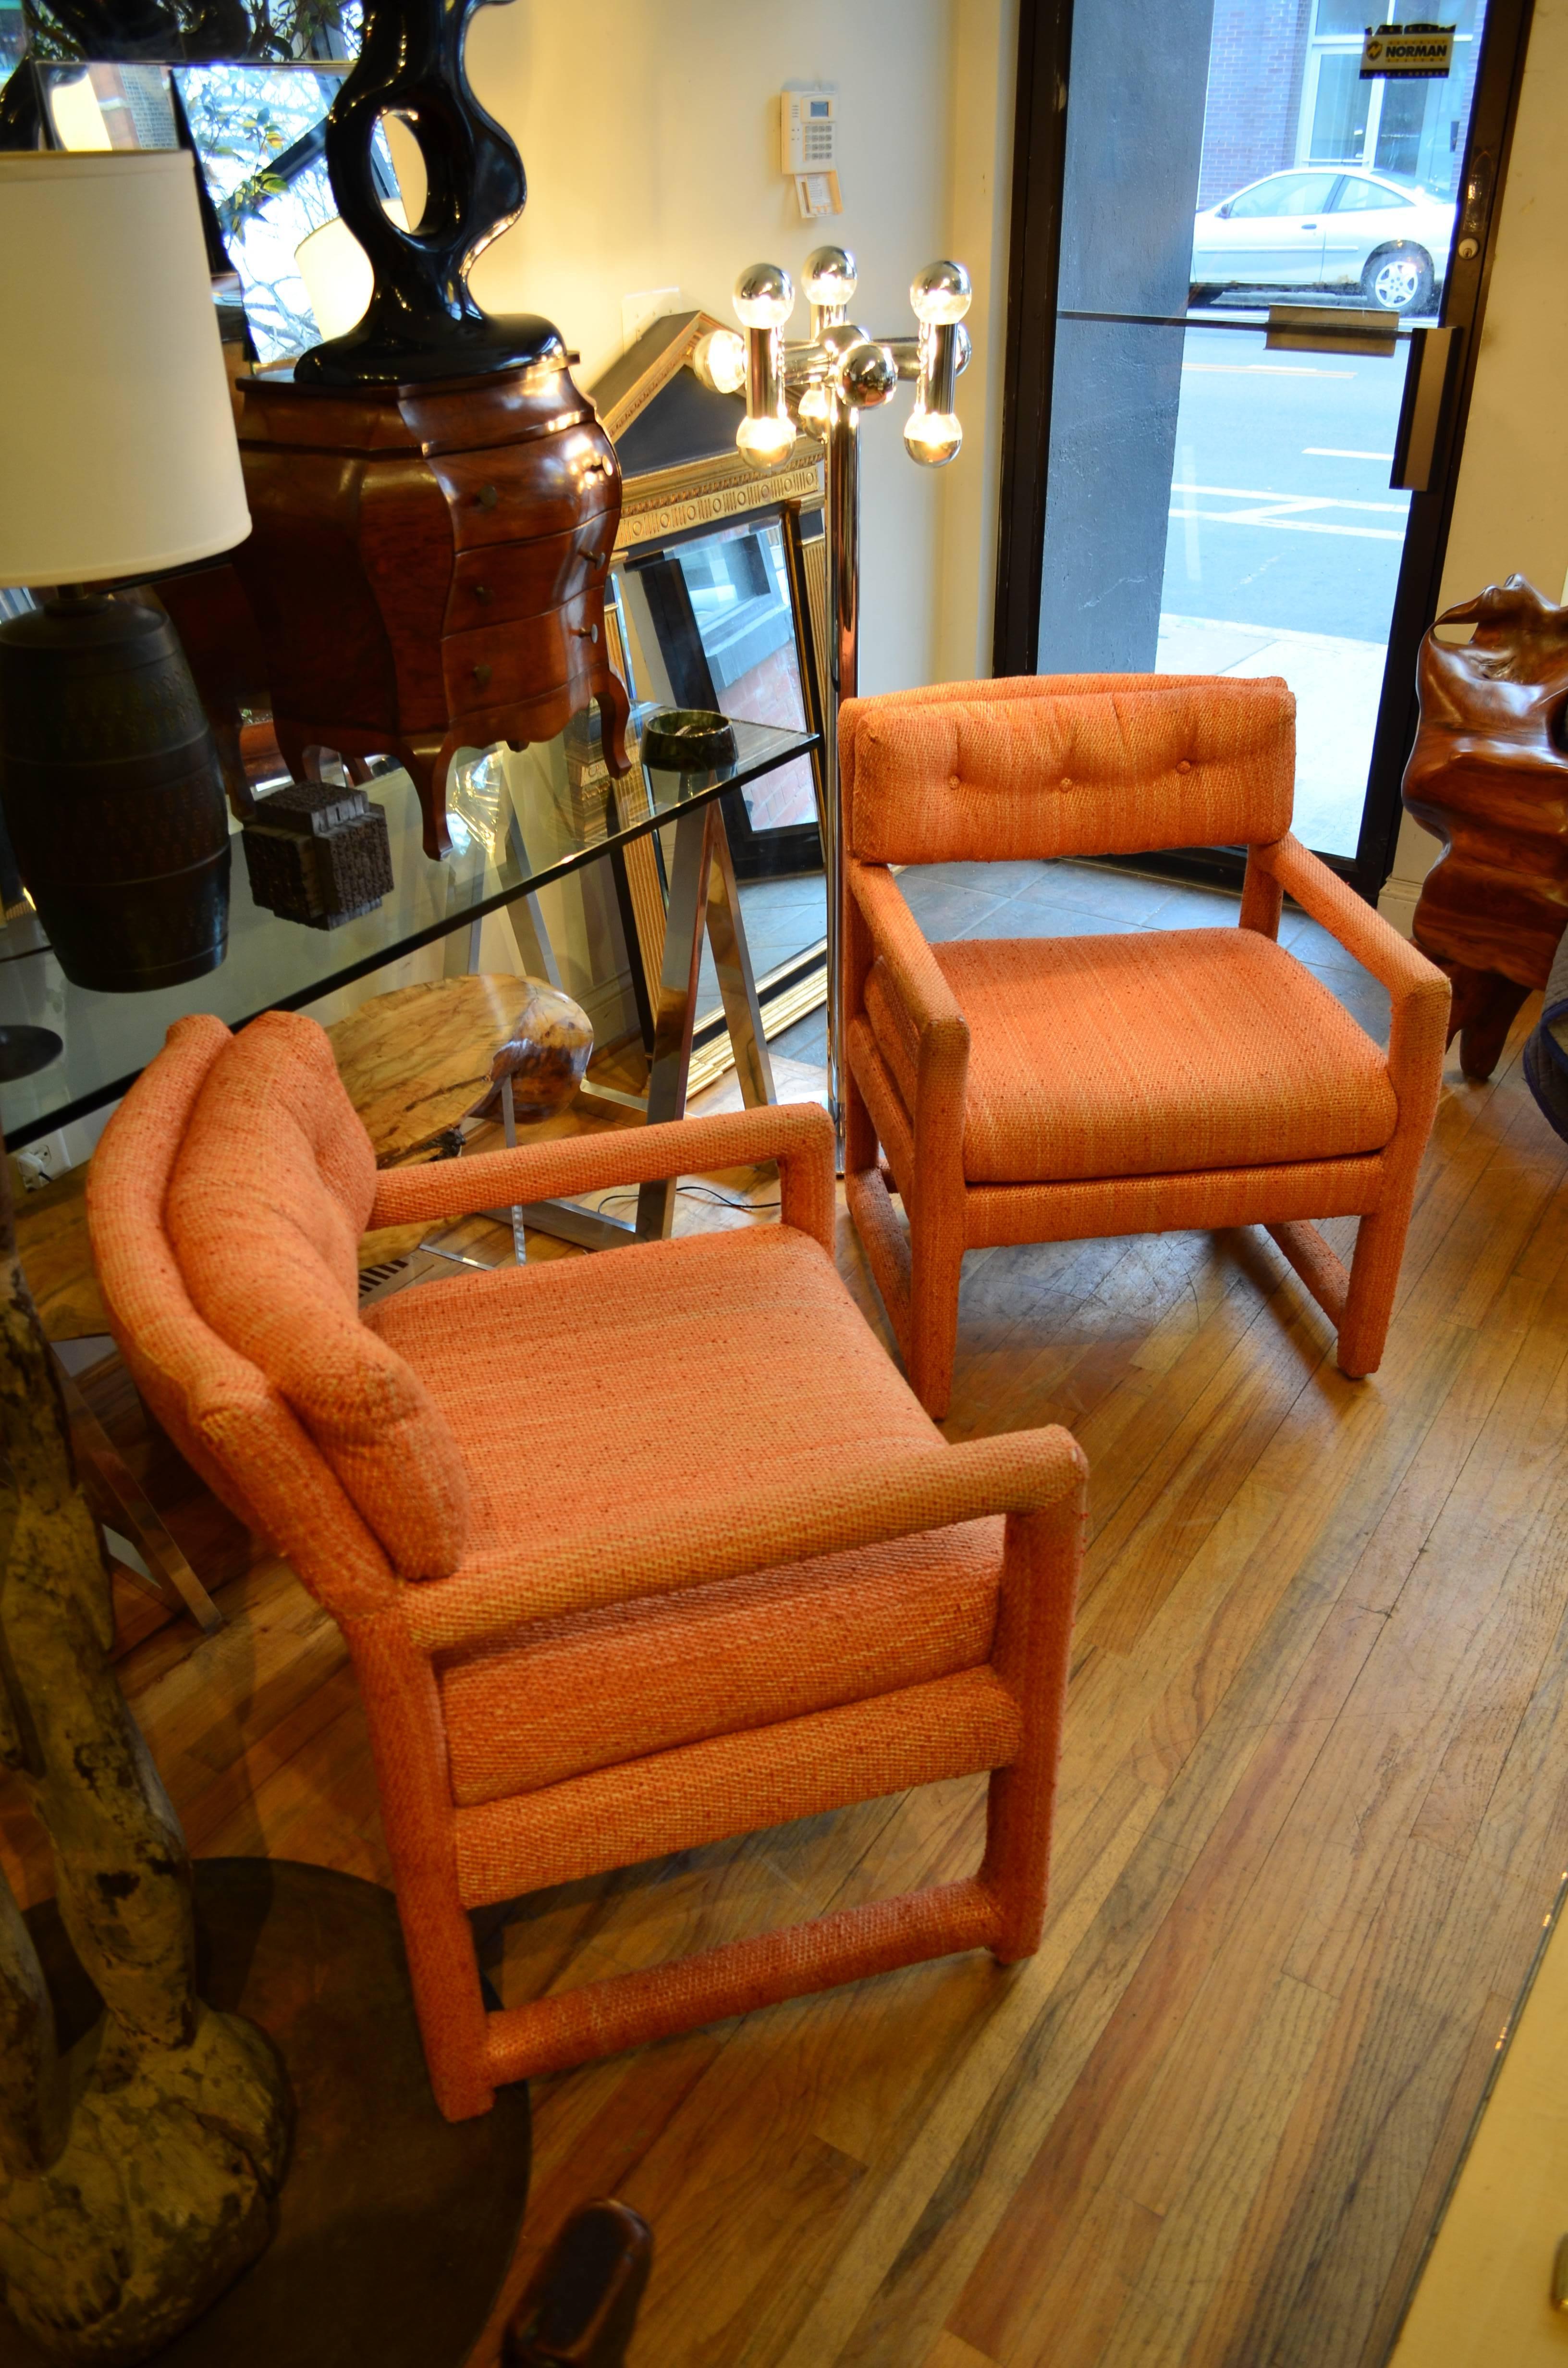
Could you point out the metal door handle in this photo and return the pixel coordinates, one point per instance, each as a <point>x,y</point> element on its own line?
<point>1421,415</point>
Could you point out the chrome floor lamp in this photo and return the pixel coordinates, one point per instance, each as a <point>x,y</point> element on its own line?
<point>821,385</point>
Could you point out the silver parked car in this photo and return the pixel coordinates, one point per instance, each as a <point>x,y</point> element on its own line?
<point>1327,227</point>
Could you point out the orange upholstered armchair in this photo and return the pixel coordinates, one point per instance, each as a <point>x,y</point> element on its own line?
<point>1051,1089</point>
<point>630,1552</point>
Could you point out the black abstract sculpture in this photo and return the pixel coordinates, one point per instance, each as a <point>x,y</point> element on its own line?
<point>421,323</point>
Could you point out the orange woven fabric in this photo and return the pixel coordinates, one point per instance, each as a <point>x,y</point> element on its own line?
<point>1164,763</point>
<point>1252,1061</point>
<point>268,1197</point>
<point>812,1596</point>
<point>558,1698</point>
<point>1037,1090</point>
<point>680,1373</point>
<point>223,1415</point>
<point>734,1784</point>
<point>656,2001</point>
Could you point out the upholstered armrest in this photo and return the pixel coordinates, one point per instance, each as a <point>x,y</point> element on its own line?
<point>1419,994</point>
<point>796,1135</point>
<point>897,937</point>
<point>1351,921</point>
<point>658,1545</point>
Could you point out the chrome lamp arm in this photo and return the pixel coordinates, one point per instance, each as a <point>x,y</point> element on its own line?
<point>821,386</point>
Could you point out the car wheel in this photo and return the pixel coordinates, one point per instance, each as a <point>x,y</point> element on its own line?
<point>1398,279</point>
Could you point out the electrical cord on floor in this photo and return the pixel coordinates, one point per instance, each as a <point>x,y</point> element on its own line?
<point>697,1193</point>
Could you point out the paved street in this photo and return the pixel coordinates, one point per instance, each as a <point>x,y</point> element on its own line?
<point>1285,544</point>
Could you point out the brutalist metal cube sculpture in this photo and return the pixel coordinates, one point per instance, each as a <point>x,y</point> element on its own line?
<point>318,854</point>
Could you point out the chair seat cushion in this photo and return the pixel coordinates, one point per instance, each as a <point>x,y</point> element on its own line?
<point>560,1697</point>
<point>676,1371</point>
<point>1147,1053</point>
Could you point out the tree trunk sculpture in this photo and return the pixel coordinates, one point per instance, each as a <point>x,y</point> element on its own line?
<point>137,2173</point>
<point>1488,776</point>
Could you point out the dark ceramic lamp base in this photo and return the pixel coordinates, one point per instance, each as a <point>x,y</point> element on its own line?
<point>394,2227</point>
<point>25,1050</point>
<point>113,799</point>
<point>444,350</point>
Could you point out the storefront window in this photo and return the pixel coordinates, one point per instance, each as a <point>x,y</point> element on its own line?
<point>1410,130</point>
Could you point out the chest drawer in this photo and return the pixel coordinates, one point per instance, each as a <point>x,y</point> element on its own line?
<point>501,581</point>
<point>499,664</point>
<point>516,493</point>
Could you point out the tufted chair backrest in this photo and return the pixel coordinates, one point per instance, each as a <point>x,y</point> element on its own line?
<point>1067,765</point>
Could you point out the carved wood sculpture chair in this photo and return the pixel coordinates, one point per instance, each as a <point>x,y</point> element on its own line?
<point>1488,776</point>
<point>631,1552</point>
<point>1055,1089</point>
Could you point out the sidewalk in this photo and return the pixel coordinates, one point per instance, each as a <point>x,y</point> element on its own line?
<point>1338,683</point>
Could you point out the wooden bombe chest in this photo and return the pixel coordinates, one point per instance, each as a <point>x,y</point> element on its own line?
<point>427,567</point>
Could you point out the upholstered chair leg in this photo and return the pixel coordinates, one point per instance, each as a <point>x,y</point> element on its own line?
<point>935,1271</point>
<point>1374,1277</point>
<point>937,1220</point>
<point>1032,1655</point>
<point>860,1144</point>
<point>1416,1038</point>
<point>407,1741</point>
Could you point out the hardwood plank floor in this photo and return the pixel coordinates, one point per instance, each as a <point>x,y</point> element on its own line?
<point>1313,1806</point>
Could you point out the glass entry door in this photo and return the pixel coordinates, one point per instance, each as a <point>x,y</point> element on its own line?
<point>1251,240</point>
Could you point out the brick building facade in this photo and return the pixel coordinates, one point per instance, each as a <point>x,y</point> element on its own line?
<point>1258,82</point>
<point>1255,65</point>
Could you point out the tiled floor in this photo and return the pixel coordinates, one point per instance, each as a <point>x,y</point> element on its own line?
<point>1061,900</point>
<point>782,918</point>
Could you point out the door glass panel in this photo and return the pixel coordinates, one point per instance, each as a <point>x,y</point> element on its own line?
<point>1402,124</point>
<point>1342,16</point>
<point>1340,107</point>
<point>1358,197</point>
<point>1284,193</point>
<point>1214,507</point>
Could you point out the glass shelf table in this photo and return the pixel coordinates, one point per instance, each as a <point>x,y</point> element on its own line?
<point>525,826</point>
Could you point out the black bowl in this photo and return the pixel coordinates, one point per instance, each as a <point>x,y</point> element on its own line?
<point>687,740</point>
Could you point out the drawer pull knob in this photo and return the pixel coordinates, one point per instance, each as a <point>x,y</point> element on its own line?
<point>482,675</point>
<point>487,497</point>
<point>587,632</point>
<point>482,591</point>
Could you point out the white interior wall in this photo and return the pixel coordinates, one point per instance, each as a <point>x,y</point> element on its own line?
<point>1511,505</point>
<point>650,139</point>
<point>983,67</point>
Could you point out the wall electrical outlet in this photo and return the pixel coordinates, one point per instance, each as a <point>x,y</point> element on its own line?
<point>639,312</point>
<point>39,1163</point>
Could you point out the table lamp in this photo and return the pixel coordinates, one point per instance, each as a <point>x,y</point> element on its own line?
<point>118,459</point>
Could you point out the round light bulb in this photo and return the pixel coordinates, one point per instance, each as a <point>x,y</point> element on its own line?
<point>719,360</point>
<point>867,374</point>
<point>830,278</point>
<point>816,411</point>
<point>765,297</point>
<point>766,442</point>
<point>933,437</point>
<point>940,293</point>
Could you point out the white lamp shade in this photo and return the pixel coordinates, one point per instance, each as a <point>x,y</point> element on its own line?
<point>118,453</point>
